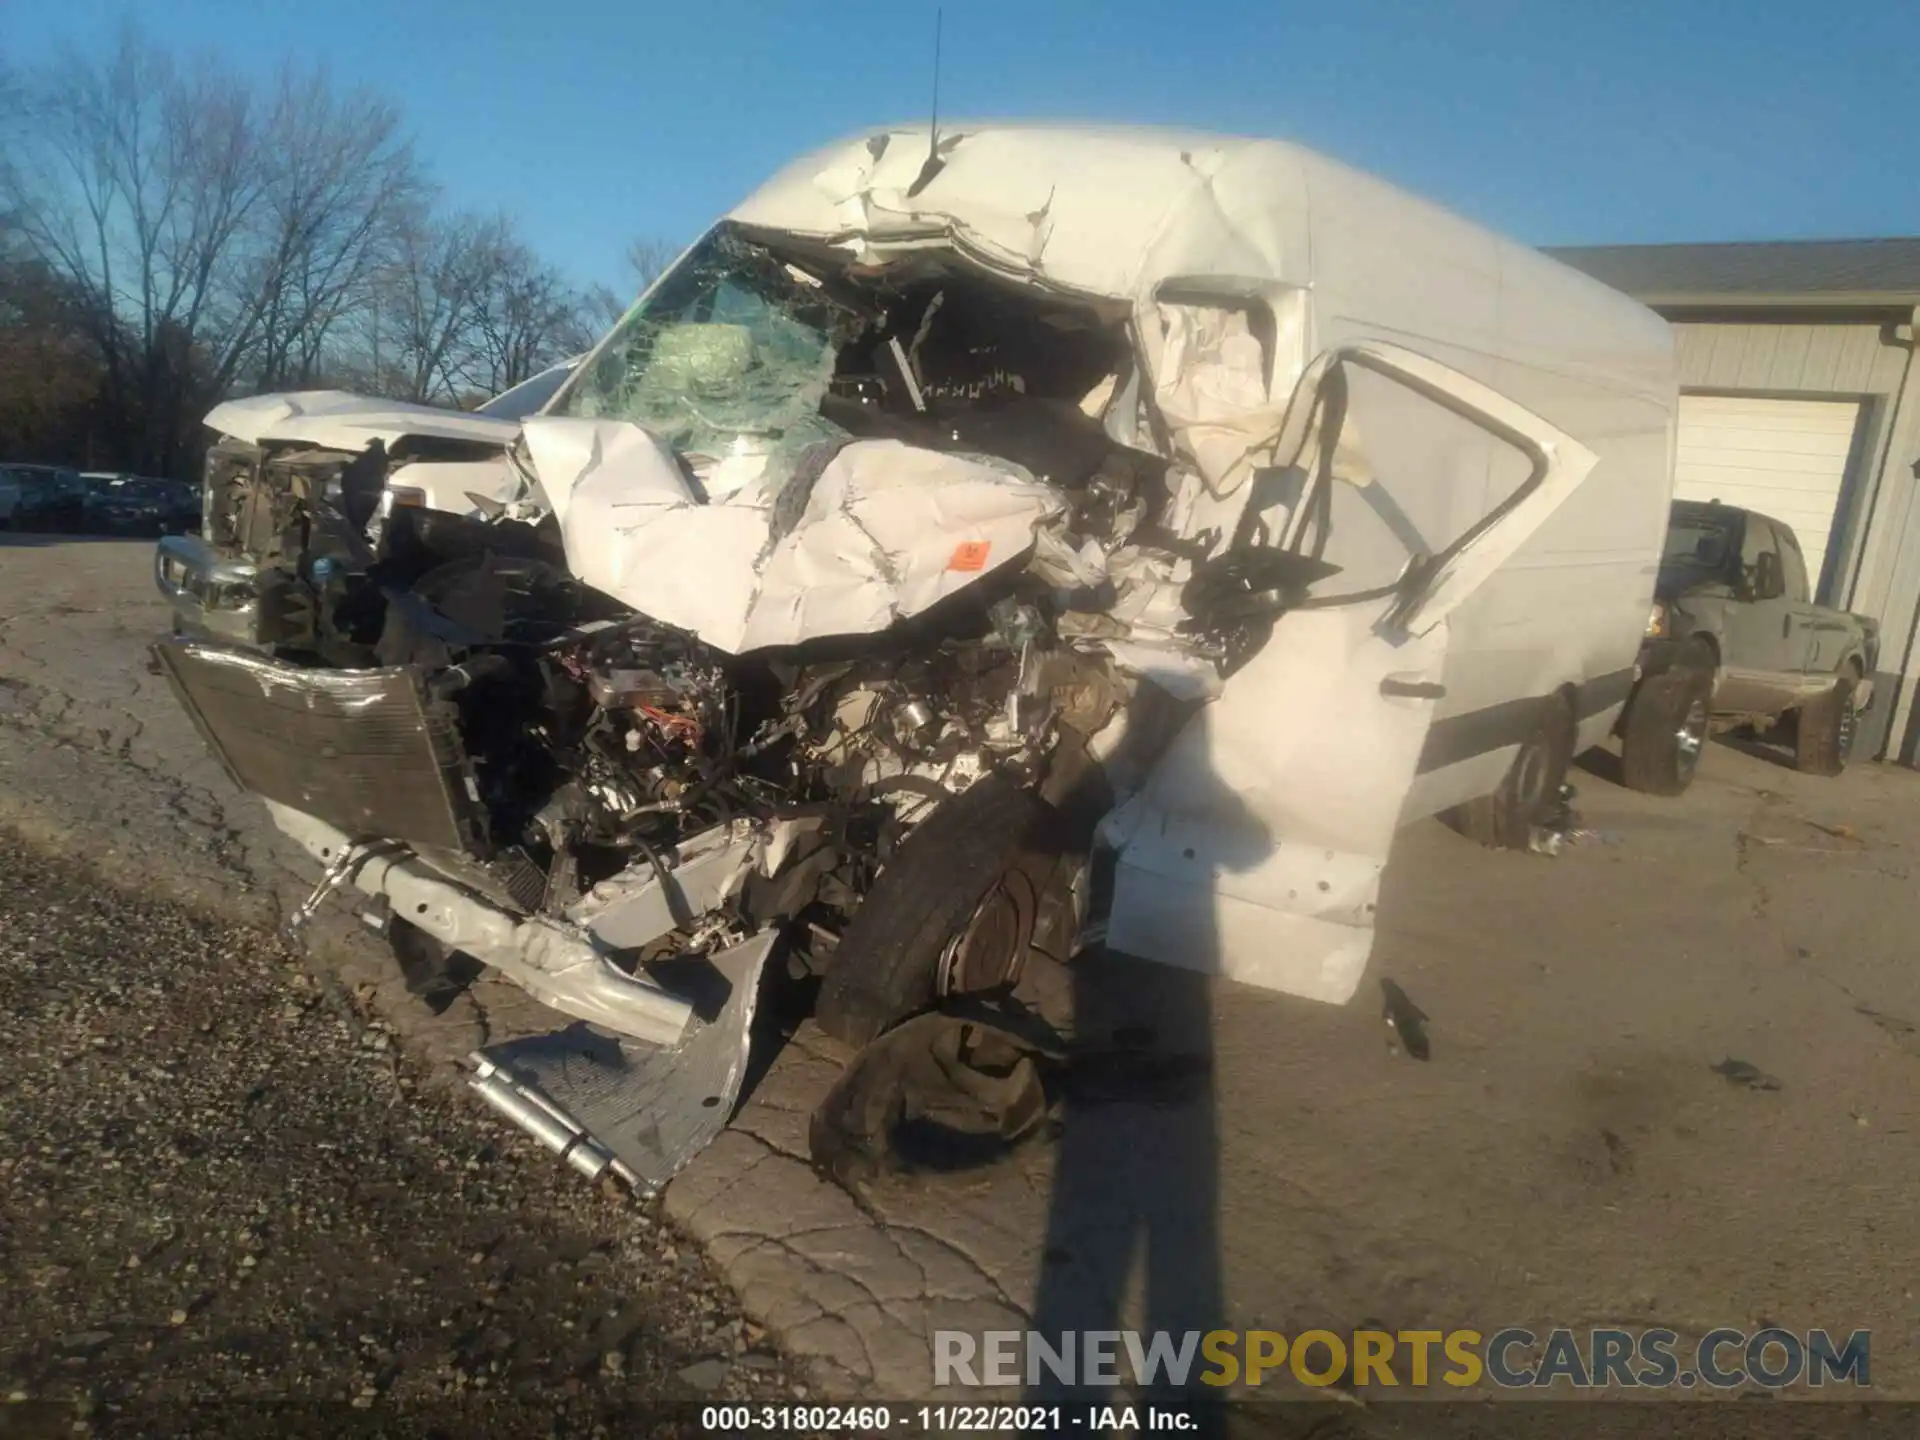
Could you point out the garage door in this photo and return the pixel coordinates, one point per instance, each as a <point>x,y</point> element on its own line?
<point>1784,458</point>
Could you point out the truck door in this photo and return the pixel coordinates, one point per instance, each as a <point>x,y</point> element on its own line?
<point>1765,658</point>
<point>1254,849</point>
<point>1808,640</point>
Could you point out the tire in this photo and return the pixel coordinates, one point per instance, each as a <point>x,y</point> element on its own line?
<point>970,876</point>
<point>1666,726</point>
<point>1823,730</point>
<point>1505,819</point>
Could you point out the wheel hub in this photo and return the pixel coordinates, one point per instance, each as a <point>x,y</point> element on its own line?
<point>1692,735</point>
<point>990,948</point>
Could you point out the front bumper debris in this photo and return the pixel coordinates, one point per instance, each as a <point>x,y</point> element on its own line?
<point>556,961</point>
<point>640,1112</point>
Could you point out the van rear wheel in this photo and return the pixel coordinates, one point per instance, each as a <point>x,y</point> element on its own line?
<point>1666,726</point>
<point>1505,819</point>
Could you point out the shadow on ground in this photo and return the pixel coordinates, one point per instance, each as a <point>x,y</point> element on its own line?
<point>1602,765</point>
<point>1605,764</point>
<point>1755,747</point>
<point>1133,1237</point>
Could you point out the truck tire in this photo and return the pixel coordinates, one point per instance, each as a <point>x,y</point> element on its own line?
<point>1666,726</point>
<point>1823,730</point>
<point>953,912</point>
<point>1505,819</point>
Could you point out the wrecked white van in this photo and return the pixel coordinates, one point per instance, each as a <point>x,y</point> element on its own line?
<point>961,545</point>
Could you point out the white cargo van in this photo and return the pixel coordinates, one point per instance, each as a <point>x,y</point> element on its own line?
<point>958,522</point>
<point>1480,437</point>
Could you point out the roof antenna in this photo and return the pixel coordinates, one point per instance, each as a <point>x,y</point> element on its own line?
<point>934,163</point>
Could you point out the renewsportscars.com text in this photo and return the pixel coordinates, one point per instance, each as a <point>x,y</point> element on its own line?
<point>1508,1358</point>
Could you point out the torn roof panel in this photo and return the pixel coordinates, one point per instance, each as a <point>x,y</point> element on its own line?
<point>1084,205</point>
<point>1115,211</point>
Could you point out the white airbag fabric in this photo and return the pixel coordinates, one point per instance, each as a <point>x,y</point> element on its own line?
<point>888,530</point>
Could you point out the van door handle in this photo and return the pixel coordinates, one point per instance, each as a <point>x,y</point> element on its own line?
<point>1412,689</point>
<point>1786,625</point>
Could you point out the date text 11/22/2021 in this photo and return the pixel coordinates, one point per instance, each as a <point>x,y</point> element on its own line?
<point>945,1419</point>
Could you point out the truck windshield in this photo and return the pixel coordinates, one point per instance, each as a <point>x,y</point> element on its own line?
<point>1697,540</point>
<point>731,353</point>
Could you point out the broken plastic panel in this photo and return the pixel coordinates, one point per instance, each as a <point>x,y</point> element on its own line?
<point>602,1102</point>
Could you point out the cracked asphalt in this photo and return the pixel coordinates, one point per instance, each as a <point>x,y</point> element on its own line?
<point>1568,1156</point>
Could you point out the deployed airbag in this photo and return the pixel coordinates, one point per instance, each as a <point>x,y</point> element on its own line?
<point>885,531</point>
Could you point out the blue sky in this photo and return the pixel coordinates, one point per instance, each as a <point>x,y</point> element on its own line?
<point>1557,121</point>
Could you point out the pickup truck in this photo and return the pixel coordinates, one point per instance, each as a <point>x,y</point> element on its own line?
<point>1734,640</point>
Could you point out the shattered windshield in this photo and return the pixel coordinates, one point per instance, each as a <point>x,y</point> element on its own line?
<point>1696,541</point>
<point>731,353</point>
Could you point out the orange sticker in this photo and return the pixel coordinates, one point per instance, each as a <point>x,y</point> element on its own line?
<point>970,555</point>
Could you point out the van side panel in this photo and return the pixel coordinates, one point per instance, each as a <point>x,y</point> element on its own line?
<point>1567,612</point>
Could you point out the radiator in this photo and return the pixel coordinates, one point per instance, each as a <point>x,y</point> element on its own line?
<point>362,750</point>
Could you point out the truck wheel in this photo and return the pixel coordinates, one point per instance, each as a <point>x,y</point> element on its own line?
<point>1505,819</point>
<point>953,912</point>
<point>1666,727</point>
<point>1823,732</point>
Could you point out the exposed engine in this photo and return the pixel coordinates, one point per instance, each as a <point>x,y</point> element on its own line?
<point>595,740</point>
<point>927,508</point>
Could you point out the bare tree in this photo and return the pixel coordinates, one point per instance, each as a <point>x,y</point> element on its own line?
<point>524,319</point>
<point>444,269</point>
<point>647,259</point>
<point>134,182</point>
<point>179,231</point>
<point>600,307</point>
<point>211,233</point>
<point>340,181</point>
<point>50,371</point>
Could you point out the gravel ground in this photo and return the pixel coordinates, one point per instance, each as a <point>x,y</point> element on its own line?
<point>233,1205</point>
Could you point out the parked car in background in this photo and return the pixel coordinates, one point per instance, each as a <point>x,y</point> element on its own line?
<point>1734,639</point>
<point>121,504</point>
<point>43,497</point>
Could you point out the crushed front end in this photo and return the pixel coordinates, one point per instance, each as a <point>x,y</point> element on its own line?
<point>626,820</point>
<point>834,612</point>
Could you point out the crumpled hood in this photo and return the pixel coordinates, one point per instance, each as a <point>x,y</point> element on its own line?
<point>339,420</point>
<point>865,533</point>
<point>877,532</point>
